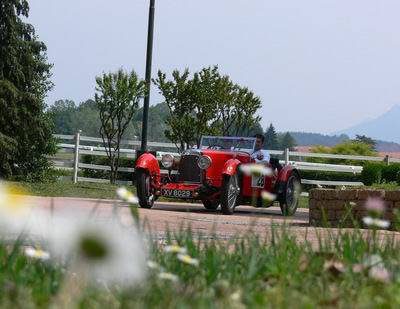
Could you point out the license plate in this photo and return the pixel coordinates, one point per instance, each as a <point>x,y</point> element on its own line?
<point>176,193</point>
<point>257,181</point>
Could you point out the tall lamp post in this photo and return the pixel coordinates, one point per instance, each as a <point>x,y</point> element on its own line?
<point>148,75</point>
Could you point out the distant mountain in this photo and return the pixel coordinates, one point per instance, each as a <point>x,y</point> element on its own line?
<point>309,139</point>
<point>386,127</point>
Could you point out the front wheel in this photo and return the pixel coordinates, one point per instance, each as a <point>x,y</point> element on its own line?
<point>291,196</point>
<point>144,192</point>
<point>229,194</point>
<point>211,205</point>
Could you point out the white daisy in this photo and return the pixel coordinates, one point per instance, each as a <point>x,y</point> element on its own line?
<point>175,249</point>
<point>256,169</point>
<point>36,253</point>
<point>379,273</point>
<point>187,259</point>
<point>268,196</point>
<point>153,265</point>
<point>374,222</point>
<point>126,196</point>
<point>104,250</point>
<point>168,276</point>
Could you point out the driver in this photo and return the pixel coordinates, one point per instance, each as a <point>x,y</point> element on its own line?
<point>260,155</point>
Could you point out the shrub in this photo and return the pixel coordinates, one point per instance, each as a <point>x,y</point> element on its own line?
<point>124,162</point>
<point>372,173</point>
<point>390,172</point>
<point>386,186</point>
<point>353,148</point>
<point>328,176</point>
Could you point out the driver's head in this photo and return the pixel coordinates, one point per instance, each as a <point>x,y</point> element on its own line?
<point>259,141</point>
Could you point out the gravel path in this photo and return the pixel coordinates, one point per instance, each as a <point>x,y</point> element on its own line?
<point>173,216</point>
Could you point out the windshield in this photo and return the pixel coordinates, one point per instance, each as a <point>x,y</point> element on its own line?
<point>225,143</point>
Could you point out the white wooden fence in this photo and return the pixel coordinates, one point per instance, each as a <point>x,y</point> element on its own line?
<point>78,149</point>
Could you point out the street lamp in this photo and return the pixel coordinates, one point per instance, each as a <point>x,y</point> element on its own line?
<point>148,75</point>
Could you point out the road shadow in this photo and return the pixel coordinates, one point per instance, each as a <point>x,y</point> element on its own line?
<point>240,211</point>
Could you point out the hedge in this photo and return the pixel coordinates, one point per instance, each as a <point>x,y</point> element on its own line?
<point>328,176</point>
<point>124,162</point>
<point>376,173</point>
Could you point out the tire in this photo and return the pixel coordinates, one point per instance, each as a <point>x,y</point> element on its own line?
<point>290,198</point>
<point>229,194</point>
<point>211,205</point>
<point>146,198</point>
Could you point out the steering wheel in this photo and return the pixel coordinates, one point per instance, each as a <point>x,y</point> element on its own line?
<point>217,146</point>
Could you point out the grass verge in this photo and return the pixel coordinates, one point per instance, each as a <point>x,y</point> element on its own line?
<point>276,271</point>
<point>94,190</point>
<point>69,189</point>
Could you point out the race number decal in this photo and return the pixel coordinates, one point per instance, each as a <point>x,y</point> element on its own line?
<point>257,181</point>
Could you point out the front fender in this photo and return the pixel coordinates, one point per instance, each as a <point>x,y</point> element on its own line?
<point>283,177</point>
<point>148,162</point>
<point>230,167</point>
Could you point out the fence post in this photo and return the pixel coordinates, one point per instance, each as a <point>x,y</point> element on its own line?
<point>386,160</point>
<point>76,155</point>
<point>286,154</point>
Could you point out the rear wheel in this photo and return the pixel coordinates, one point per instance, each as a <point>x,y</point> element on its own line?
<point>291,196</point>
<point>143,186</point>
<point>212,205</point>
<point>229,194</point>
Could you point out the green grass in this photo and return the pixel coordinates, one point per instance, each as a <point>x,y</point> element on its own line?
<point>69,189</point>
<point>95,190</point>
<point>303,203</point>
<point>277,272</point>
<point>386,186</point>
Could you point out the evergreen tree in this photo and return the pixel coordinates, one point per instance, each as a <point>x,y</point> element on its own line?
<point>271,138</point>
<point>25,129</point>
<point>366,140</point>
<point>287,141</point>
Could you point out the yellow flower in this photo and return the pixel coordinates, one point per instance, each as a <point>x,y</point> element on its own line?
<point>12,201</point>
<point>175,249</point>
<point>188,259</point>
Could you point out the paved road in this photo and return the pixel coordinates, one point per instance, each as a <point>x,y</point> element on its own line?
<point>211,224</point>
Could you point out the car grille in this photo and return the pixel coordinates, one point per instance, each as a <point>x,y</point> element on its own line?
<point>188,170</point>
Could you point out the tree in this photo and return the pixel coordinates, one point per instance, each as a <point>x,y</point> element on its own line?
<point>251,130</point>
<point>177,96</point>
<point>86,118</point>
<point>287,141</point>
<point>157,122</point>
<point>62,114</point>
<point>207,104</point>
<point>366,140</point>
<point>246,106</point>
<point>271,138</point>
<point>25,129</point>
<point>117,99</point>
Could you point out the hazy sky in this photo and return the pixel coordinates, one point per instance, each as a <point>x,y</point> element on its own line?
<point>317,65</point>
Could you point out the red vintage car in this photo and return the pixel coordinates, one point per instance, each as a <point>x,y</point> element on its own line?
<point>214,174</point>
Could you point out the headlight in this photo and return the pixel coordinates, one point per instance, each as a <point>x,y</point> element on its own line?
<point>204,162</point>
<point>167,160</point>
